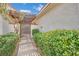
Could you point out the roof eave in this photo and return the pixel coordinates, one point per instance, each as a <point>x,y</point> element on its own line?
<point>44,10</point>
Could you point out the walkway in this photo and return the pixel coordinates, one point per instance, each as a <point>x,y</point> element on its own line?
<point>27,47</point>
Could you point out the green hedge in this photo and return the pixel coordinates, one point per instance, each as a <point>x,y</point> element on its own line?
<point>34,31</point>
<point>8,43</point>
<point>58,42</point>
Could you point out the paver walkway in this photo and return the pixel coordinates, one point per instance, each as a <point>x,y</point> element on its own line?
<point>27,47</point>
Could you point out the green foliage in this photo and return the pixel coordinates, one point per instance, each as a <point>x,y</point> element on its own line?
<point>58,42</point>
<point>8,44</point>
<point>34,31</point>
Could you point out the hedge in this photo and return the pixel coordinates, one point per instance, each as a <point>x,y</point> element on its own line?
<point>8,44</point>
<point>58,42</point>
<point>34,31</point>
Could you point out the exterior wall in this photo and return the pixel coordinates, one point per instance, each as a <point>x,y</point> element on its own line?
<point>11,28</point>
<point>5,27</point>
<point>1,31</point>
<point>65,16</point>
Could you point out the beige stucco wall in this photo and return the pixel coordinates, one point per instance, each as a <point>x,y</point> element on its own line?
<point>65,16</point>
<point>1,31</point>
<point>5,27</point>
<point>11,28</point>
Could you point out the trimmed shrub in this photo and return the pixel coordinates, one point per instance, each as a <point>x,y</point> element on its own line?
<point>8,44</point>
<point>58,42</point>
<point>34,31</point>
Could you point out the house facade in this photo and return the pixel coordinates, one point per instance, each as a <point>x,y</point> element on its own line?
<point>9,19</point>
<point>58,16</point>
<point>5,27</point>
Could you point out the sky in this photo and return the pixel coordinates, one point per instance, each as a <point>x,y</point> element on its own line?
<point>33,8</point>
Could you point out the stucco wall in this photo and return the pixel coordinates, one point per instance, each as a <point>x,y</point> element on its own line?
<point>11,28</point>
<point>1,31</point>
<point>65,16</point>
<point>5,27</point>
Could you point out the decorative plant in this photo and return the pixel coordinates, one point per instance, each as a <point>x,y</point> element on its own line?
<point>34,31</point>
<point>8,44</point>
<point>58,42</point>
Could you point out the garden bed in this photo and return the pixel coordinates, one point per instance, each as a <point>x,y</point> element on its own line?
<point>58,42</point>
<point>8,44</point>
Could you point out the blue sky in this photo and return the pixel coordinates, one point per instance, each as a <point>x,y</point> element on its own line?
<point>33,8</point>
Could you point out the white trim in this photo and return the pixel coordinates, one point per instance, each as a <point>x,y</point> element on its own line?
<point>42,9</point>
